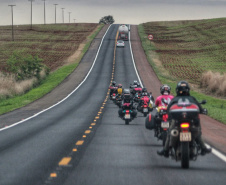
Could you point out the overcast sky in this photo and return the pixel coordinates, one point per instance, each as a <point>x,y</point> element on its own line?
<point>123,11</point>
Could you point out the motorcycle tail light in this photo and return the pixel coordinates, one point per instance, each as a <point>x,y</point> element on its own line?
<point>184,125</point>
<point>127,111</point>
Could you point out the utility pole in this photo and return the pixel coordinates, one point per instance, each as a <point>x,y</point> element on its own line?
<point>63,14</point>
<point>31,12</point>
<point>74,20</point>
<point>69,16</point>
<point>12,21</point>
<point>55,12</point>
<point>44,11</point>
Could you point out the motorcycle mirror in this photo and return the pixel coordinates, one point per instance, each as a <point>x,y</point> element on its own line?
<point>203,102</point>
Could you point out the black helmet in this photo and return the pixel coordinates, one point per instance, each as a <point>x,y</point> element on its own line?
<point>144,89</point>
<point>113,83</point>
<point>165,88</point>
<point>135,82</point>
<point>183,89</point>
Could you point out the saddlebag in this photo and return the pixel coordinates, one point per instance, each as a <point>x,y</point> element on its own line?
<point>150,121</point>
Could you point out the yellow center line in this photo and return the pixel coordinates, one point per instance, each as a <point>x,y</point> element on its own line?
<point>80,142</point>
<point>65,161</point>
<point>74,150</point>
<point>53,175</point>
<point>87,131</point>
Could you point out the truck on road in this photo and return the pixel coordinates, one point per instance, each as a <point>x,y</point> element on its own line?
<point>123,32</point>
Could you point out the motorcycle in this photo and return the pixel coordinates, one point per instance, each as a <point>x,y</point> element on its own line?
<point>118,100</point>
<point>127,113</point>
<point>137,97</point>
<point>162,124</point>
<point>113,92</point>
<point>183,146</point>
<point>113,96</point>
<point>143,106</point>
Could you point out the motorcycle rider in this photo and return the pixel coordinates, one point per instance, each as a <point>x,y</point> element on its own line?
<point>127,98</point>
<point>119,90</point>
<point>135,83</point>
<point>145,97</point>
<point>183,93</point>
<point>113,88</point>
<point>165,91</point>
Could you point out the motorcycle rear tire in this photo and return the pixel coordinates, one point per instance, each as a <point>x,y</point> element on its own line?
<point>164,135</point>
<point>127,122</point>
<point>185,155</point>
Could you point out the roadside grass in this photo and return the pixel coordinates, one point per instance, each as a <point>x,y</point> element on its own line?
<point>48,84</point>
<point>186,50</point>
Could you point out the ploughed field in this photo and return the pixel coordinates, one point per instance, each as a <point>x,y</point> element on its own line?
<point>53,43</point>
<point>187,49</point>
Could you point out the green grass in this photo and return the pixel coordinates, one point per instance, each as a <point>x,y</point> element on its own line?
<point>198,46</point>
<point>47,85</point>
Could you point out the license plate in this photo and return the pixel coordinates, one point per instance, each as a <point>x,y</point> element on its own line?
<point>165,124</point>
<point>127,116</point>
<point>113,97</point>
<point>185,136</point>
<point>145,110</point>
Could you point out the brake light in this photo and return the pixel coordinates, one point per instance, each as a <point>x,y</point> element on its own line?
<point>127,111</point>
<point>184,125</point>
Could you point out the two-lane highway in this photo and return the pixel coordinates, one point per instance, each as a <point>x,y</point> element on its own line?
<point>83,141</point>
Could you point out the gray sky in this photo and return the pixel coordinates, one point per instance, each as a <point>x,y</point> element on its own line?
<point>123,11</point>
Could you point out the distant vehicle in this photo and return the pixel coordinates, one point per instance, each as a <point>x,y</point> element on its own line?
<point>120,43</point>
<point>123,32</point>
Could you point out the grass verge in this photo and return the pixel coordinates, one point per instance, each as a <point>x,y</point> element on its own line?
<point>216,107</point>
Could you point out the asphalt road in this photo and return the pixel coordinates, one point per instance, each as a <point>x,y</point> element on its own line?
<point>83,141</point>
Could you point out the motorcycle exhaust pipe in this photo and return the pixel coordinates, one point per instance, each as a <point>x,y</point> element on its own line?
<point>174,133</point>
<point>174,137</point>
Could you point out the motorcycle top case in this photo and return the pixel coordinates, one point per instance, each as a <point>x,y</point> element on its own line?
<point>150,121</point>
<point>188,111</point>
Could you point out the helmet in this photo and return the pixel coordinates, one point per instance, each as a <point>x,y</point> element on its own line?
<point>135,82</point>
<point>144,90</point>
<point>138,85</point>
<point>113,83</point>
<point>126,91</point>
<point>165,89</point>
<point>119,85</point>
<point>183,89</point>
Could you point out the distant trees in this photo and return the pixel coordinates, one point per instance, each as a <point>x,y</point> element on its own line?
<point>107,20</point>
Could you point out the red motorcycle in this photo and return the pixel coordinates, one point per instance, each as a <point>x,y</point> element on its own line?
<point>113,92</point>
<point>127,113</point>
<point>143,105</point>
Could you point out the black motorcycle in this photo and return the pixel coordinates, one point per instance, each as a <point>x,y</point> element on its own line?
<point>183,146</point>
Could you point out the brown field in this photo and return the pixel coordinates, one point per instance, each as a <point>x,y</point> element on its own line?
<point>53,43</point>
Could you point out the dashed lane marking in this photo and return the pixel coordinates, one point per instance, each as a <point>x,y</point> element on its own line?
<point>65,161</point>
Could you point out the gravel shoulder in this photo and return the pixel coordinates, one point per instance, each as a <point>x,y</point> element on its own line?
<point>213,131</point>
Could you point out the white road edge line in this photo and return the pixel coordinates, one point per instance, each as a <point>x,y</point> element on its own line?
<point>24,120</point>
<point>214,151</point>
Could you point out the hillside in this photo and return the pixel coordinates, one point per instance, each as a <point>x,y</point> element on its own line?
<point>187,49</point>
<point>53,43</point>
